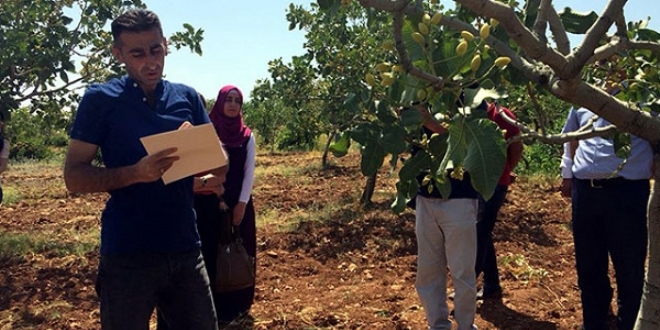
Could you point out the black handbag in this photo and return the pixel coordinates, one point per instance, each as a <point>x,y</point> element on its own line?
<point>234,267</point>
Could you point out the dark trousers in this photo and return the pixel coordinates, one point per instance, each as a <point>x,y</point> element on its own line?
<point>486,257</point>
<point>609,220</point>
<point>131,286</point>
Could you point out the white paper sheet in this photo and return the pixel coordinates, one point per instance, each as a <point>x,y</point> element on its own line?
<point>199,150</point>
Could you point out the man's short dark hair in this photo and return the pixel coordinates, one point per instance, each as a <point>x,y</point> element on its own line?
<point>135,20</point>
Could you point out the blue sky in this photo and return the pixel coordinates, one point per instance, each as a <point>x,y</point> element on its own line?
<point>241,37</point>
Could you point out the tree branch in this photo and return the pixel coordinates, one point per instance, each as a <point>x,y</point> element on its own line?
<point>36,92</point>
<point>626,116</point>
<point>541,21</point>
<point>508,19</point>
<point>537,108</point>
<point>581,134</point>
<point>558,30</point>
<point>584,51</point>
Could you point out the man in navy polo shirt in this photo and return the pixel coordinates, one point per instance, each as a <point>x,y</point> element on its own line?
<point>150,248</point>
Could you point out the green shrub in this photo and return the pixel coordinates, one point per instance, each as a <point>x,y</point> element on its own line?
<point>10,196</point>
<point>36,136</point>
<point>540,159</point>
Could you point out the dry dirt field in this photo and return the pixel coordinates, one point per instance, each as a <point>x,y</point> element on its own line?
<point>324,262</point>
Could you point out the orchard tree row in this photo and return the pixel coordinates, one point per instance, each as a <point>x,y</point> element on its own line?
<point>367,60</point>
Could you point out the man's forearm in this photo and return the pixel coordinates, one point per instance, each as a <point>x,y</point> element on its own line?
<point>220,171</point>
<point>85,178</point>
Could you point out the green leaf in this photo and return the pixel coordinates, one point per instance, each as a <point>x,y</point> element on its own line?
<point>64,77</point>
<point>457,144</point>
<point>442,183</point>
<point>450,63</point>
<point>421,161</point>
<point>189,28</point>
<point>438,144</point>
<point>410,117</point>
<point>577,22</point>
<point>648,35</point>
<point>340,147</point>
<point>486,155</point>
<point>402,197</point>
<point>373,156</point>
<point>385,113</point>
<point>399,204</point>
<point>68,66</point>
<point>396,89</point>
<point>394,140</point>
<point>415,50</point>
<point>362,133</point>
<point>351,103</point>
<point>622,145</point>
<point>325,4</point>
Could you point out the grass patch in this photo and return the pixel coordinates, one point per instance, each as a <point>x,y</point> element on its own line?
<point>35,180</point>
<point>29,167</point>
<point>10,196</point>
<point>518,266</point>
<point>540,180</point>
<point>18,245</point>
<point>286,170</point>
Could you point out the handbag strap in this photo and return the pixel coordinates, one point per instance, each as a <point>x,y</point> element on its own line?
<point>236,234</point>
<point>226,225</point>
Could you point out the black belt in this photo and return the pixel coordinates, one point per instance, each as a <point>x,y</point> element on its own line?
<point>602,183</point>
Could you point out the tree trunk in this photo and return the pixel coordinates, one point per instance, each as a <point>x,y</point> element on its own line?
<point>324,159</point>
<point>368,192</point>
<point>649,313</point>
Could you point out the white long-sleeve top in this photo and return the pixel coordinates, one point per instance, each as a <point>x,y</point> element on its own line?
<point>248,178</point>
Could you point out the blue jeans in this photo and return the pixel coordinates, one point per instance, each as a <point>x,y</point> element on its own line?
<point>131,286</point>
<point>486,257</point>
<point>609,221</point>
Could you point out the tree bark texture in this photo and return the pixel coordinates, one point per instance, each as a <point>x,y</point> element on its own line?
<point>649,312</point>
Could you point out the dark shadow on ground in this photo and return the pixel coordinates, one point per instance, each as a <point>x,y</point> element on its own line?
<point>503,317</point>
<point>350,230</point>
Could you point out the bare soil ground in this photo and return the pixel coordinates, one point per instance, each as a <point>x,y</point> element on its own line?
<point>324,262</point>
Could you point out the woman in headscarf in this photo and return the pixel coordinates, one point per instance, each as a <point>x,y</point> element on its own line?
<point>239,144</point>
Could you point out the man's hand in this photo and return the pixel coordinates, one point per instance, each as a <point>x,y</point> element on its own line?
<point>151,167</point>
<point>565,188</point>
<point>213,183</point>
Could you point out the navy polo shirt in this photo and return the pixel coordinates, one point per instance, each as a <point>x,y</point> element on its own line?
<point>144,217</point>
